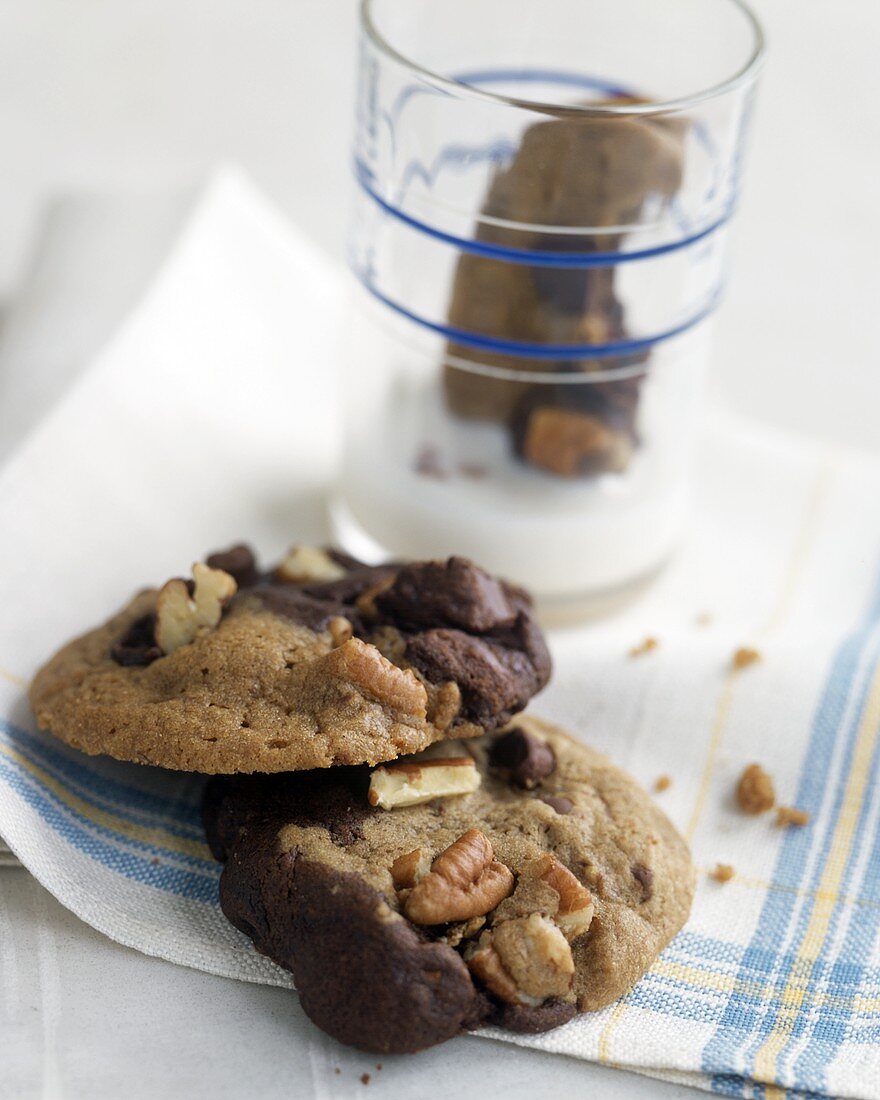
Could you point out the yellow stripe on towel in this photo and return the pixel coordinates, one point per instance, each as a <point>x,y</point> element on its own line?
<point>10,677</point>
<point>154,836</point>
<point>797,988</point>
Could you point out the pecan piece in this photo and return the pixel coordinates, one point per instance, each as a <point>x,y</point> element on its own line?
<point>410,868</point>
<point>464,881</point>
<point>536,954</point>
<point>309,563</point>
<point>575,912</point>
<point>411,782</point>
<point>364,666</point>
<point>182,616</point>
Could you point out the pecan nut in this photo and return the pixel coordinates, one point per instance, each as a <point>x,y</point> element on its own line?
<point>524,961</point>
<point>575,912</point>
<point>486,964</point>
<point>309,563</point>
<point>410,868</point>
<point>536,955</point>
<point>363,665</point>
<point>411,782</point>
<point>181,615</point>
<point>464,881</point>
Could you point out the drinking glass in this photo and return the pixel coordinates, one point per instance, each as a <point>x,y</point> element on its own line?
<point>544,196</point>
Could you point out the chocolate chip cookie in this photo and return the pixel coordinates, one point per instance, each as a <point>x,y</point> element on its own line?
<point>320,661</point>
<point>545,890</point>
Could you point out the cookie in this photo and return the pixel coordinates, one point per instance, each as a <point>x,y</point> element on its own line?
<point>545,891</point>
<point>566,172</point>
<point>319,662</point>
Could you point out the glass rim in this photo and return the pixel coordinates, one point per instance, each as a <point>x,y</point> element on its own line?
<point>743,76</point>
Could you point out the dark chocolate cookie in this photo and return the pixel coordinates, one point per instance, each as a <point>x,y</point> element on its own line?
<point>546,890</point>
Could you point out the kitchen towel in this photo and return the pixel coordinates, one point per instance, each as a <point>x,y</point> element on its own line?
<point>212,416</point>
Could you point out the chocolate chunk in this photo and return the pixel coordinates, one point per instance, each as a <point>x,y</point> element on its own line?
<point>495,681</point>
<point>298,606</point>
<point>347,561</point>
<point>137,646</point>
<point>453,593</point>
<point>239,562</point>
<point>559,803</point>
<point>349,588</point>
<point>523,758</point>
<point>530,1020</point>
<point>644,876</point>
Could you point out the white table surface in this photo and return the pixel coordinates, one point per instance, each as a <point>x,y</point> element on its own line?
<point>144,96</point>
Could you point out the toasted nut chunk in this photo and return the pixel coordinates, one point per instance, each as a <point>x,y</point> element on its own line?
<point>411,782</point>
<point>445,705</point>
<point>535,953</point>
<point>464,881</point>
<point>745,656</point>
<point>754,792</point>
<point>486,965</point>
<point>722,872</point>
<point>410,868</point>
<point>462,930</point>
<point>309,563</point>
<point>340,629</point>
<point>364,666</point>
<point>180,618</point>
<point>575,912</point>
<point>790,815</point>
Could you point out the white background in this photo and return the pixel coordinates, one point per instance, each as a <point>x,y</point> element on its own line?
<point>149,94</point>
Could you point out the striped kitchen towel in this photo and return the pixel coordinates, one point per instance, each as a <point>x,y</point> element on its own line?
<point>773,988</point>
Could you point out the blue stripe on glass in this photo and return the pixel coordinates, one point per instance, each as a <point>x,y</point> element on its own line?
<point>528,256</point>
<point>521,349</point>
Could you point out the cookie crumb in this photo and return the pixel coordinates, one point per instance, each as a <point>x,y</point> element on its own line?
<point>473,470</point>
<point>745,656</point>
<point>647,646</point>
<point>722,872</point>
<point>662,783</point>
<point>791,815</point>
<point>155,861</point>
<point>430,464</point>
<point>337,1070</point>
<point>379,1066</point>
<point>755,792</point>
<point>705,618</point>
<point>365,1078</point>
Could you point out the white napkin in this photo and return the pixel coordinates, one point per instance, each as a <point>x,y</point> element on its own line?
<point>212,417</point>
